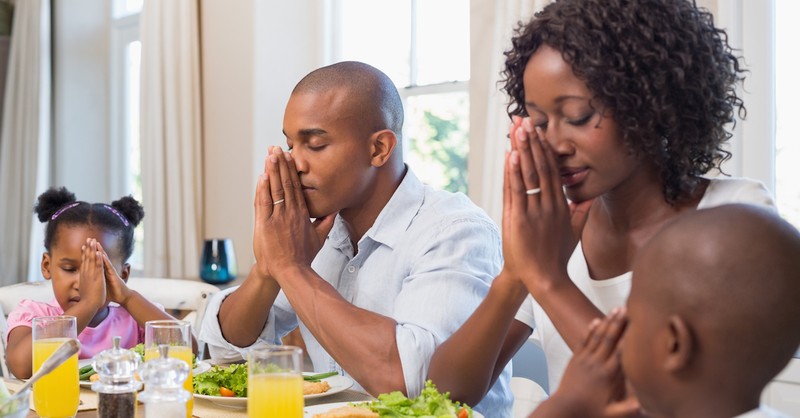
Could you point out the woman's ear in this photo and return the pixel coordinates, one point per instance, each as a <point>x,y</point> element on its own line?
<point>382,145</point>
<point>46,266</point>
<point>680,345</point>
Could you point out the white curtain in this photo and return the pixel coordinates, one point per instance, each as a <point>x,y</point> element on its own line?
<point>25,139</point>
<point>171,137</point>
<point>492,23</point>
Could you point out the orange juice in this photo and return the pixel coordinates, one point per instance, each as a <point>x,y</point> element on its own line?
<point>56,394</point>
<point>275,395</point>
<point>182,353</point>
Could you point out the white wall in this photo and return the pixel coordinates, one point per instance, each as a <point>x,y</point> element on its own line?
<point>252,56</point>
<point>80,97</point>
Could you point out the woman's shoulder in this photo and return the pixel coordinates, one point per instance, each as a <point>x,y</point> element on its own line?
<point>726,190</point>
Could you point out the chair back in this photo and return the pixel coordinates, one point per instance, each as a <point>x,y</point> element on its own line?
<point>527,396</point>
<point>185,295</point>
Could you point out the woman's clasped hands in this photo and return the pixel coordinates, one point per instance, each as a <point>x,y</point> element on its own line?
<point>540,227</point>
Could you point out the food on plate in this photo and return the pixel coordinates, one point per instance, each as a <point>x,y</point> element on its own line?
<point>315,388</point>
<point>231,381</point>
<point>348,411</point>
<point>429,403</point>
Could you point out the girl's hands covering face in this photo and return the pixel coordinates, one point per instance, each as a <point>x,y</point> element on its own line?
<point>92,285</point>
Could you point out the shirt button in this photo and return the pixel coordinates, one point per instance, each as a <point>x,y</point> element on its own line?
<point>351,269</point>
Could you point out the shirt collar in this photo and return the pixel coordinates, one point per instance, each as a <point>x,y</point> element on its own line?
<point>393,220</point>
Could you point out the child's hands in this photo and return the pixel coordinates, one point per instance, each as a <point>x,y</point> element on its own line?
<point>116,288</point>
<point>92,283</point>
<point>593,384</point>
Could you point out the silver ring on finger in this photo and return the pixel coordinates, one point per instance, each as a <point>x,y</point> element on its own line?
<point>534,191</point>
<point>278,202</point>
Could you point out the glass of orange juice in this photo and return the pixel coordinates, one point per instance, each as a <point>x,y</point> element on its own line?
<point>275,382</point>
<point>57,394</point>
<point>178,336</point>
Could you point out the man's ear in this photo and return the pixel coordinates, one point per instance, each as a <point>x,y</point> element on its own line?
<point>680,345</point>
<point>382,146</point>
<point>125,272</point>
<point>46,266</point>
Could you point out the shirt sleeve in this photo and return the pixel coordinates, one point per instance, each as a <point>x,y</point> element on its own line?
<point>23,314</point>
<point>279,323</point>
<point>448,280</point>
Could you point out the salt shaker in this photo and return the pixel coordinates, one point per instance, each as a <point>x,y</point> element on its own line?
<point>163,395</point>
<point>117,386</point>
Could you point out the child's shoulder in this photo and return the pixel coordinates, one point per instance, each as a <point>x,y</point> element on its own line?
<point>29,309</point>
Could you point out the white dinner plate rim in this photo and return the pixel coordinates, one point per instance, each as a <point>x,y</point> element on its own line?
<point>338,384</point>
<point>325,407</point>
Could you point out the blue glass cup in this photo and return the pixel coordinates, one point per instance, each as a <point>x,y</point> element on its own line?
<point>218,261</point>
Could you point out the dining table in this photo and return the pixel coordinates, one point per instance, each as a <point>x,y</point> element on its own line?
<point>202,408</point>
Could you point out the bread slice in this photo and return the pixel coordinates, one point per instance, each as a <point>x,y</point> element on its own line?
<point>348,412</point>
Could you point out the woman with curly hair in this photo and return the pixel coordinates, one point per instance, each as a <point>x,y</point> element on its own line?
<point>619,109</point>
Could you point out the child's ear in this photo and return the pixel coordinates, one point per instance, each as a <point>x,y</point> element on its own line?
<point>680,345</point>
<point>46,266</point>
<point>125,272</point>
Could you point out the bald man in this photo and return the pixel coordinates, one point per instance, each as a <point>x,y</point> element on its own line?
<point>712,317</point>
<point>389,268</point>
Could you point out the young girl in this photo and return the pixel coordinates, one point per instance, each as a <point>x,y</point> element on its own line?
<point>619,107</point>
<point>88,245</point>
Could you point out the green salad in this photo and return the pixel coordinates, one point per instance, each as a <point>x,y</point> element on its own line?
<point>429,404</point>
<point>222,381</point>
<point>231,380</point>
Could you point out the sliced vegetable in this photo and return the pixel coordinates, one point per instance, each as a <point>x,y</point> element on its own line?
<point>223,391</point>
<point>318,377</point>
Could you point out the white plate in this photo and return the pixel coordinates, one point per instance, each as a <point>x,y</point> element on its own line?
<point>201,367</point>
<point>309,411</point>
<point>338,383</point>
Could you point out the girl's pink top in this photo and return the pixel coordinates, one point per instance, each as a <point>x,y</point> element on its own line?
<point>93,340</point>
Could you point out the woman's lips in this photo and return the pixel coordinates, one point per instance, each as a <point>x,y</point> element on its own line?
<point>572,176</point>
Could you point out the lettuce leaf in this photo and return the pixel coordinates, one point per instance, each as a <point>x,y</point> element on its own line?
<point>233,377</point>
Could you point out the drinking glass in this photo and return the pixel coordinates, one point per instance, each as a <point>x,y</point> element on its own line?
<point>178,336</point>
<point>275,382</point>
<point>57,394</point>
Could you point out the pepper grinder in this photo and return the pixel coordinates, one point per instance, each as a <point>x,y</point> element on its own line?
<point>163,395</point>
<point>117,386</point>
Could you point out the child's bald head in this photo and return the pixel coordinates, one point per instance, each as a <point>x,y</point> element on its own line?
<point>725,284</point>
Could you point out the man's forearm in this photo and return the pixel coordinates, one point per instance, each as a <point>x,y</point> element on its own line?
<point>363,342</point>
<point>243,314</point>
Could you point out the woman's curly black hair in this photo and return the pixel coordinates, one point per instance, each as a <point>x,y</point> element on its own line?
<point>58,206</point>
<point>661,66</point>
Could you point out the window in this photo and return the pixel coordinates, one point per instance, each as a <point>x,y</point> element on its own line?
<point>125,77</point>
<point>430,67</point>
<point>787,89</point>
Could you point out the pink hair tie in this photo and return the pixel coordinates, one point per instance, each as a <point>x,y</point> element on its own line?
<point>119,215</point>
<point>60,211</point>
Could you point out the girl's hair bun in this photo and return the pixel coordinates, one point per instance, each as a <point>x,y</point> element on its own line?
<point>130,208</point>
<point>52,200</point>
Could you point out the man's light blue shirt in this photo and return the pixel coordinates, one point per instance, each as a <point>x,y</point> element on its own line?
<point>427,262</point>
